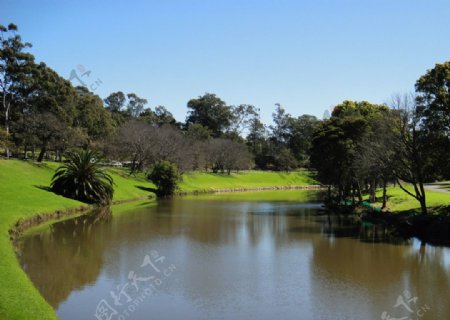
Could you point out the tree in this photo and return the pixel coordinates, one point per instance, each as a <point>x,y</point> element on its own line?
<point>338,148</point>
<point>92,116</point>
<point>135,105</point>
<point>115,102</point>
<point>211,112</point>
<point>415,161</point>
<point>46,127</point>
<point>243,116</point>
<point>4,140</point>
<point>164,116</point>
<point>300,136</point>
<point>133,143</point>
<point>82,178</point>
<point>433,103</point>
<point>377,153</point>
<point>433,98</point>
<point>226,155</point>
<point>14,69</point>
<point>165,176</point>
<point>257,141</point>
<point>280,127</point>
<point>286,160</point>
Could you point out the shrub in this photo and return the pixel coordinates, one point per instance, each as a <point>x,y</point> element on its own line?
<point>82,178</point>
<point>165,176</point>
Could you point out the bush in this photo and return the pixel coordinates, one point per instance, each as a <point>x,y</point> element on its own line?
<point>82,178</point>
<point>165,176</point>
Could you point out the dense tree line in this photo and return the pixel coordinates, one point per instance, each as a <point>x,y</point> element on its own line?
<point>363,146</point>
<point>44,116</point>
<point>359,148</point>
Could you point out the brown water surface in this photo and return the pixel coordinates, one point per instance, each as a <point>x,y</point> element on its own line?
<point>265,255</point>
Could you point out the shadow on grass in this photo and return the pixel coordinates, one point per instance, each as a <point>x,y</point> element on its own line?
<point>146,189</point>
<point>45,188</point>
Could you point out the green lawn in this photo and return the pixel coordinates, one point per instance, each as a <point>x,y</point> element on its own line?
<point>22,196</point>
<point>398,200</point>
<point>249,179</point>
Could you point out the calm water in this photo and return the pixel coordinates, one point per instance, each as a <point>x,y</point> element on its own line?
<point>234,256</point>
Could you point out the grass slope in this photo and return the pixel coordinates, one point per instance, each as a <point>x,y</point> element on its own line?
<point>21,197</point>
<point>250,179</point>
<point>398,200</point>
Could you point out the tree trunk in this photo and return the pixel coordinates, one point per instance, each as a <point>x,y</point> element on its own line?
<point>383,206</point>
<point>43,151</point>
<point>372,197</point>
<point>358,189</point>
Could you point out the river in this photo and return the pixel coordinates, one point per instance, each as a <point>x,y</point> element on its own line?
<point>251,255</point>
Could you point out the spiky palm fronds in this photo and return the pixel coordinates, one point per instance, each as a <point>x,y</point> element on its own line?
<point>82,178</point>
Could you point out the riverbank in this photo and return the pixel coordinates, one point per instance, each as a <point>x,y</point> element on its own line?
<point>399,201</point>
<point>24,199</point>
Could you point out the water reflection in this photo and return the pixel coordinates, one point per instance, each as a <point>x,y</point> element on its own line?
<point>237,259</point>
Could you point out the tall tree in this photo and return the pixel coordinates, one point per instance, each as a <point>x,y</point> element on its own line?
<point>135,105</point>
<point>415,160</point>
<point>433,102</point>
<point>211,112</point>
<point>115,102</point>
<point>243,115</point>
<point>14,69</point>
<point>280,125</point>
<point>301,130</point>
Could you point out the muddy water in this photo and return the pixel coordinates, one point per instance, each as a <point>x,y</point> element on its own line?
<point>260,255</point>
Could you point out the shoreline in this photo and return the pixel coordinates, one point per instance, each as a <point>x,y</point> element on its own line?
<point>24,224</point>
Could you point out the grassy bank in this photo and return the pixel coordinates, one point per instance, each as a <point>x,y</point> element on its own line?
<point>399,201</point>
<point>23,195</point>
<point>253,179</point>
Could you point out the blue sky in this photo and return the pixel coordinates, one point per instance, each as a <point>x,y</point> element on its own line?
<point>306,55</point>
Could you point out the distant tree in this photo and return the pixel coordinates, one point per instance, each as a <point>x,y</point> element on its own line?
<point>243,116</point>
<point>165,176</point>
<point>198,132</point>
<point>164,116</point>
<point>135,105</point>
<point>92,117</point>
<point>211,112</point>
<point>257,141</point>
<point>115,102</point>
<point>47,128</point>
<point>300,136</point>
<point>4,139</point>
<point>82,178</point>
<point>226,155</point>
<point>285,160</point>
<point>280,127</point>
<point>133,142</point>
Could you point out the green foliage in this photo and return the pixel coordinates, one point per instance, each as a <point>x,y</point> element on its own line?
<point>82,178</point>
<point>433,104</point>
<point>165,176</point>
<point>211,112</point>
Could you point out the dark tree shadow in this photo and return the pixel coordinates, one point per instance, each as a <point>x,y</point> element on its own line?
<point>146,189</point>
<point>45,188</point>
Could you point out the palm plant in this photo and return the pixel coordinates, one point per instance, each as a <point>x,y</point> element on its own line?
<point>82,178</point>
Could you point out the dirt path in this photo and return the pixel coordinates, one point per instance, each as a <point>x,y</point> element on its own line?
<point>439,186</point>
